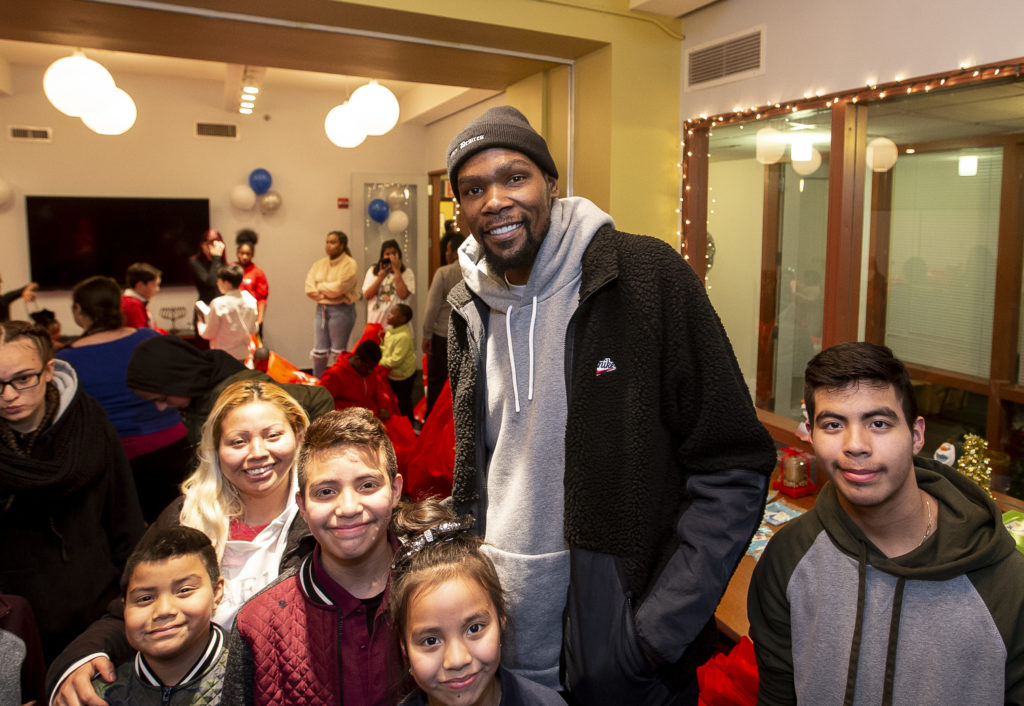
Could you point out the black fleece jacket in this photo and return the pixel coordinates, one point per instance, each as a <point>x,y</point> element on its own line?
<point>665,458</point>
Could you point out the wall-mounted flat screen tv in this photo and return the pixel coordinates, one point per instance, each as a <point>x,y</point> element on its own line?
<point>74,237</point>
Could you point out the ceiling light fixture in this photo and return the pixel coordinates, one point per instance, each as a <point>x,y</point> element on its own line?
<point>82,88</point>
<point>342,127</point>
<point>376,108</point>
<point>74,84</point>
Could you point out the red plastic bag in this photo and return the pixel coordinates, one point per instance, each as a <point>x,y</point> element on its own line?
<point>730,680</point>
<point>431,461</point>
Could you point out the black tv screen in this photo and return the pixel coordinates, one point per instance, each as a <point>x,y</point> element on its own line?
<point>74,237</point>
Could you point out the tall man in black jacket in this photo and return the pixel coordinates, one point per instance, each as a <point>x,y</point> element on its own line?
<point>605,440</point>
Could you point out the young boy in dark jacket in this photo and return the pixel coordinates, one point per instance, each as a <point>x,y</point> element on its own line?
<point>171,587</point>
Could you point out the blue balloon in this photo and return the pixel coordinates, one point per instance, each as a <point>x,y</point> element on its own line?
<point>379,210</point>
<point>260,181</point>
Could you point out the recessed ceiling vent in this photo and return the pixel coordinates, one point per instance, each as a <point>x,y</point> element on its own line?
<point>217,130</point>
<point>31,134</point>
<point>737,57</point>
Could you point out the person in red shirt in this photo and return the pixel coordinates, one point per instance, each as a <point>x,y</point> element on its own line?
<point>142,282</point>
<point>254,280</point>
<point>354,381</point>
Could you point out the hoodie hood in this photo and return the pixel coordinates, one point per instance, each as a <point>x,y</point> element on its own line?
<point>969,534</point>
<point>574,221</point>
<point>167,365</point>
<point>554,281</point>
<point>66,380</point>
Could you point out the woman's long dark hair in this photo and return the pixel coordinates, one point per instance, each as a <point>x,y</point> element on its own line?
<point>384,246</point>
<point>99,298</point>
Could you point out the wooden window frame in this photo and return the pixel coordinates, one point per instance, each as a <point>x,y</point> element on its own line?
<point>847,175</point>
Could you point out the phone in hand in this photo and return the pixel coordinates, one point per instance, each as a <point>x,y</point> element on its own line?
<point>385,264</point>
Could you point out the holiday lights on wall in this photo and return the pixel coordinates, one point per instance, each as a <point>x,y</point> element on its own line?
<point>881,152</point>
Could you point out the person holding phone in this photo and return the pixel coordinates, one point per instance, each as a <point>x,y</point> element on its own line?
<point>387,283</point>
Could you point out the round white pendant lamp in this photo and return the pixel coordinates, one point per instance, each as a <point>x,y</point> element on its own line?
<point>881,154</point>
<point>75,84</point>
<point>114,116</point>
<point>342,128</point>
<point>376,108</point>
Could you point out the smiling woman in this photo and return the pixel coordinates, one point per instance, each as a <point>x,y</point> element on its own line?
<point>242,496</point>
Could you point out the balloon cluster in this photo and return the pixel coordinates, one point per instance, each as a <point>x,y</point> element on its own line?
<point>389,213</point>
<point>257,191</point>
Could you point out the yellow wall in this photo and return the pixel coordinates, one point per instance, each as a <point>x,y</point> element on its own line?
<point>627,102</point>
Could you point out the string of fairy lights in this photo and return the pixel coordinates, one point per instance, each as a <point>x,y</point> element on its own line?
<point>872,92</point>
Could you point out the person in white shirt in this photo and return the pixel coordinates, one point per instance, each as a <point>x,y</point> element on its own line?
<point>230,319</point>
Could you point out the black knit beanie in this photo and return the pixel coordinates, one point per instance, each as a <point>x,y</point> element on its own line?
<point>503,126</point>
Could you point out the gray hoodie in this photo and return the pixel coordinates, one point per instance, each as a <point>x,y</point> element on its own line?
<point>525,430</point>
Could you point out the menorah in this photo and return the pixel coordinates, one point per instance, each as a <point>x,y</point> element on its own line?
<point>173,313</point>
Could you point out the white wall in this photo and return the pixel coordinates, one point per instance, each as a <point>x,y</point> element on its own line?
<point>832,46</point>
<point>160,157</point>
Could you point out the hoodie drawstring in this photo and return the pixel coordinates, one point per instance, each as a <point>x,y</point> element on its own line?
<point>511,355</point>
<point>533,322</point>
<point>851,671</point>
<point>894,638</point>
<point>894,634</point>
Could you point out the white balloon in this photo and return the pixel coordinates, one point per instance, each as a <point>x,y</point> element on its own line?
<point>75,83</point>
<point>397,222</point>
<point>242,197</point>
<point>114,115</point>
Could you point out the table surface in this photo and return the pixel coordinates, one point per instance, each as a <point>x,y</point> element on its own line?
<point>732,610</point>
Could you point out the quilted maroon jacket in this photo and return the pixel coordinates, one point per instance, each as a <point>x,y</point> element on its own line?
<point>303,640</point>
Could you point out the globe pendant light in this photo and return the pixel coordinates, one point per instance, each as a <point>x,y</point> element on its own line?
<point>376,108</point>
<point>342,127</point>
<point>75,84</point>
<point>114,116</point>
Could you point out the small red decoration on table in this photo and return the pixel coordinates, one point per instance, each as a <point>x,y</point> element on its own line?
<point>795,476</point>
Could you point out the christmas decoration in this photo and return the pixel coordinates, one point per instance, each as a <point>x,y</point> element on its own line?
<point>973,463</point>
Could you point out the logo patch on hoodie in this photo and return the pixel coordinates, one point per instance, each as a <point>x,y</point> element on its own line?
<point>605,366</point>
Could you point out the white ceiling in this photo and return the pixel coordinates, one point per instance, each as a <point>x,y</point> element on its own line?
<point>421,102</point>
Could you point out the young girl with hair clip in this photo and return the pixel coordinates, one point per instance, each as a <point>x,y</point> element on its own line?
<point>242,496</point>
<point>448,610</point>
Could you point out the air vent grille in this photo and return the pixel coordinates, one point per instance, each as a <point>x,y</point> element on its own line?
<point>217,130</point>
<point>31,134</point>
<point>729,60</point>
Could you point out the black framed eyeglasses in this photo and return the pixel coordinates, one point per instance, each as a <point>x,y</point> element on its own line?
<point>22,382</point>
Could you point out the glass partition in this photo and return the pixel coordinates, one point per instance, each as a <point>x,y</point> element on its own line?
<point>942,258</point>
<point>771,177</point>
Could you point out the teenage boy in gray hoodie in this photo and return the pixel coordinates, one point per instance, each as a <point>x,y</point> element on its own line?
<point>901,585</point>
<point>605,440</point>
